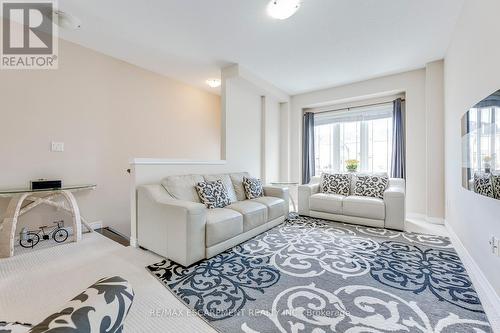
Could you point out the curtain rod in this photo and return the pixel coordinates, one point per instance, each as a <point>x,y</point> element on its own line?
<point>355,107</point>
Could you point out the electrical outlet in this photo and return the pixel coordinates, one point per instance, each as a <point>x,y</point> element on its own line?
<point>495,245</point>
<point>57,146</point>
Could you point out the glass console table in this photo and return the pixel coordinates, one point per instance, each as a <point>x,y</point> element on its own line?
<point>36,198</point>
<point>73,188</point>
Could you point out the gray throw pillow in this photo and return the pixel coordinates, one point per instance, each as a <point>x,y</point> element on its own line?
<point>253,188</point>
<point>213,194</point>
<point>371,186</point>
<point>339,183</point>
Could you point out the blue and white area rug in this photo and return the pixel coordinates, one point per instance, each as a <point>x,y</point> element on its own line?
<point>312,275</point>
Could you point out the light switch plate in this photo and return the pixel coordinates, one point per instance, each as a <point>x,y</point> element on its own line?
<point>57,146</point>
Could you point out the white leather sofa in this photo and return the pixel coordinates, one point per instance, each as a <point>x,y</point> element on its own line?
<point>172,222</point>
<point>374,212</point>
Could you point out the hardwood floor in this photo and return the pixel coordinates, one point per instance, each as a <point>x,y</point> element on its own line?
<point>107,232</point>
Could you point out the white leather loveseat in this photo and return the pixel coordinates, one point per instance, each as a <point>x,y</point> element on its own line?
<point>388,212</point>
<point>172,222</point>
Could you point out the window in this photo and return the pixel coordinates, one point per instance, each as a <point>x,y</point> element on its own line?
<point>363,134</point>
<point>484,138</point>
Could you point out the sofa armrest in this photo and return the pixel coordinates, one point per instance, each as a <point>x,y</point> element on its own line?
<point>278,192</point>
<point>305,192</point>
<point>394,198</point>
<point>101,307</point>
<point>172,228</point>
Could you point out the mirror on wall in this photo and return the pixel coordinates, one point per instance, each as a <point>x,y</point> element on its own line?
<point>481,147</point>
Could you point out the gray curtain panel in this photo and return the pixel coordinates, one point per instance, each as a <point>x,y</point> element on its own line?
<point>398,165</point>
<point>308,148</point>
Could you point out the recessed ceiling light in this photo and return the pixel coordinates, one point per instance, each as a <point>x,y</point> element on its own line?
<point>282,9</point>
<point>213,83</point>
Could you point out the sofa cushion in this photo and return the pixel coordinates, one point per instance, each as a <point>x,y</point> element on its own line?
<point>254,213</point>
<point>371,186</point>
<point>326,202</point>
<point>183,187</point>
<point>213,194</point>
<point>253,188</point>
<point>237,180</point>
<point>222,224</point>
<point>276,207</point>
<point>370,208</point>
<point>339,183</point>
<point>228,184</point>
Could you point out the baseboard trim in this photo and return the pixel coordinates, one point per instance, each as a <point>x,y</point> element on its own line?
<point>435,220</point>
<point>425,218</point>
<point>486,292</point>
<point>94,225</point>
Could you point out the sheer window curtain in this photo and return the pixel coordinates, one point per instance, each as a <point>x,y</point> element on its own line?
<point>398,165</point>
<point>308,156</point>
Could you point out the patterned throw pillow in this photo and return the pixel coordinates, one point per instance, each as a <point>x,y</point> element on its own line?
<point>16,327</point>
<point>339,183</point>
<point>496,185</point>
<point>213,194</point>
<point>253,188</point>
<point>102,307</point>
<point>483,184</point>
<point>371,186</point>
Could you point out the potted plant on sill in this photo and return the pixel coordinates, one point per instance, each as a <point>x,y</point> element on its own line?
<point>352,165</point>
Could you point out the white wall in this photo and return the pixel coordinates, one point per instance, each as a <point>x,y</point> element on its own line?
<point>413,85</point>
<point>272,137</point>
<point>434,136</point>
<point>106,111</point>
<point>243,126</point>
<point>472,72</point>
<point>285,141</point>
<point>251,136</point>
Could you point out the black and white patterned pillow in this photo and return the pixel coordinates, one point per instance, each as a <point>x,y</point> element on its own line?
<point>483,184</point>
<point>496,185</point>
<point>102,307</point>
<point>339,183</point>
<point>371,186</point>
<point>213,194</point>
<point>15,327</point>
<point>253,188</point>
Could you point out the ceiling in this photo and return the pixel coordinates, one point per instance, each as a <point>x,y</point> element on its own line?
<point>326,43</point>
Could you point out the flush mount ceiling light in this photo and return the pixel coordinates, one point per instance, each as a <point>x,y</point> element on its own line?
<point>213,83</point>
<point>66,21</point>
<point>282,9</point>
